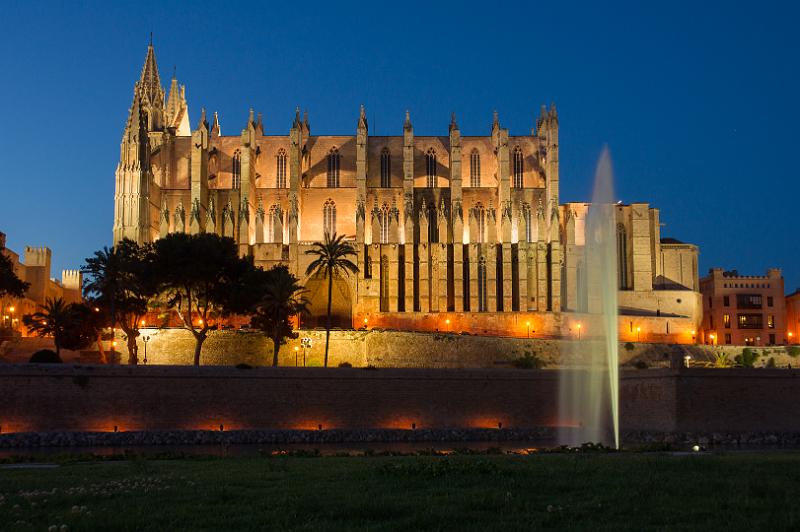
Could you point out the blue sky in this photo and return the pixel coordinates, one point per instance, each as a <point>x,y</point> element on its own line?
<point>698,101</point>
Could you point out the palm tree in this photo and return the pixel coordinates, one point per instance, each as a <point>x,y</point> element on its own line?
<point>54,320</point>
<point>282,298</point>
<point>331,260</point>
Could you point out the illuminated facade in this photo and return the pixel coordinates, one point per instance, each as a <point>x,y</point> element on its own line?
<point>465,225</point>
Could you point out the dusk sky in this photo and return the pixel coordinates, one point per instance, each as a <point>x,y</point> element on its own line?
<point>697,101</point>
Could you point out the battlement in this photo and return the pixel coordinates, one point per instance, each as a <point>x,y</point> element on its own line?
<point>38,256</point>
<point>72,279</point>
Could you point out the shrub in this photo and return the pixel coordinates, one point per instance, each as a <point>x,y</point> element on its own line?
<point>242,365</point>
<point>748,358</point>
<point>771,362</point>
<point>629,346</point>
<point>641,364</point>
<point>45,356</point>
<point>721,360</point>
<point>794,351</point>
<point>345,365</point>
<point>527,361</point>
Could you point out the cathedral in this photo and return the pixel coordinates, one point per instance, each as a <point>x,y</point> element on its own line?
<point>454,233</point>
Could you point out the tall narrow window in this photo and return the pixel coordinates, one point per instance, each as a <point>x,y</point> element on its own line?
<point>480,224</point>
<point>333,168</point>
<point>386,168</point>
<point>528,228</point>
<point>384,219</point>
<point>430,167</point>
<point>518,182</point>
<point>482,285</point>
<point>433,225</point>
<point>385,284</point>
<point>622,257</point>
<point>474,168</point>
<point>280,170</point>
<point>329,217</point>
<point>271,223</point>
<point>236,170</point>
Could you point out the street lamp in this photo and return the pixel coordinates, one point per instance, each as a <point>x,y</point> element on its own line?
<point>694,334</point>
<point>638,333</point>
<point>305,342</point>
<point>528,325</point>
<point>296,349</point>
<point>579,331</point>
<point>145,339</point>
<point>713,337</point>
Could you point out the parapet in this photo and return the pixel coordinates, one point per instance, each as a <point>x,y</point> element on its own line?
<point>72,279</point>
<point>38,256</point>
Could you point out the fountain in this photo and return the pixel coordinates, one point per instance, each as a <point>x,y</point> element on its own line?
<point>589,380</point>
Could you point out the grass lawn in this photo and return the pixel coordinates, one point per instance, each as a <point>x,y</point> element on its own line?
<point>624,491</point>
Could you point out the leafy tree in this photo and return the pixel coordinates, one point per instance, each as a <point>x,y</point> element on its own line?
<point>331,261</point>
<point>120,284</point>
<point>202,276</point>
<point>66,323</point>
<point>10,284</point>
<point>45,356</point>
<point>282,298</point>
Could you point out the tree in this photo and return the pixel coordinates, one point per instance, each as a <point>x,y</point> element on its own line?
<point>282,298</point>
<point>202,276</point>
<point>331,261</point>
<point>120,284</point>
<point>67,324</point>
<point>10,284</point>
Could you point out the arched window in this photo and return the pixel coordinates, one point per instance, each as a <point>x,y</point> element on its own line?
<point>482,285</point>
<point>430,167</point>
<point>474,169</point>
<point>385,284</point>
<point>333,168</point>
<point>329,217</point>
<point>236,170</point>
<point>273,210</point>
<point>622,257</point>
<point>280,169</point>
<point>528,228</point>
<point>480,223</point>
<point>518,182</point>
<point>386,168</point>
<point>385,221</point>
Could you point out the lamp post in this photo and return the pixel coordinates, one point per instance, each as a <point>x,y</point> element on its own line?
<point>306,343</point>
<point>296,349</point>
<point>694,335</point>
<point>579,331</point>
<point>528,325</point>
<point>712,337</point>
<point>638,334</point>
<point>145,339</point>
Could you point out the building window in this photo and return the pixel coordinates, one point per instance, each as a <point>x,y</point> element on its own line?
<point>385,284</point>
<point>273,210</point>
<point>280,169</point>
<point>769,301</point>
<point>728,338</point>
<point>748,301</point>
<point>770,322</point>
<point>480,224</point>
<point>710,302</point>
<point>772,339</point>
<point>236,170</point>
<point>482,285</point>
<point>726,300</point>
<point>386,168</point>
<point>329,217</point>
<point>726,321</point>
<point>384,221</point>
<point>517,168</point>
<point>474,168</point>
<point>622,257</point>
<point>333,168</point>
<point>528,228</point>
<point>430,167</point>
<point>433,225</point>
<point>751,321</point>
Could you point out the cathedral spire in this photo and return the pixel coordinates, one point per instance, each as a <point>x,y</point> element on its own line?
<point>149,81</point>
<point>453,123</point>
<point>296,122</point>
<point>362,118</point>
<point>407,124</point>
<point>495,121</point>
<point>216,130</point>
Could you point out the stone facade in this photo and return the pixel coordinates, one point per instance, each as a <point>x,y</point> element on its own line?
<point>34,268</point>
<point>743,309</point>
<point>793,317</point>
<point>455,224</point>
